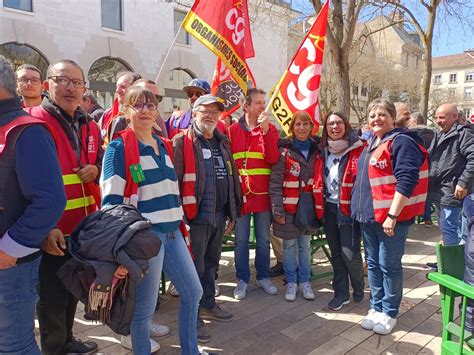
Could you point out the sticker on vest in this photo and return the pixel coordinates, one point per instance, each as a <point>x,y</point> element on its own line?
<point>137,173</point>
<point>206,153</point>
<point>91,145</point>
<point>295,169</point>
<point>380,164</point>
<point>103,132</point>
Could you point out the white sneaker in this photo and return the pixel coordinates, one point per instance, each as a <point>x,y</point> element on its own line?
<point>173,291</point>
<point>267,286</point>
<point>370,319</point>
<point>385,324</point>
<point>217,291</point>
<point>126,342</point>
<point>159,330</point>
<point>307,290</point>
<point>240,291</point>
<point>291,290</point>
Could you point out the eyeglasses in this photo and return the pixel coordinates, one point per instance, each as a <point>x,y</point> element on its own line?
<point>209,113</point>
<point>159,98</point>
<point>63,81</point>
<point>335,123</point>
<point>33,81</point>
<point>139,106</point>
<point>198,94</point>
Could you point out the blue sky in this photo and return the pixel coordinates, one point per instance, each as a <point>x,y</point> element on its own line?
<point>451,37</point>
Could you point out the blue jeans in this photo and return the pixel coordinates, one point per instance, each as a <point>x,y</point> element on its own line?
<point>18,297</point>
<point>179,267</point>
<point>261,223</point>
<point>449,220</point>
<point>297,252</point>
<point>177,263</point>
<point>384,262</point>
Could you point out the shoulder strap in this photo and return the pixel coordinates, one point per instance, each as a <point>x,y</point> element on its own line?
<point>132,157</point>
<point>20,121</point>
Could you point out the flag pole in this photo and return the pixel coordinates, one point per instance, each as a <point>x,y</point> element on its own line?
<point>169,52</point>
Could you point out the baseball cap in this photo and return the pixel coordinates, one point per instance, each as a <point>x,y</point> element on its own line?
<point>208,99</point>
<point>198,84</point>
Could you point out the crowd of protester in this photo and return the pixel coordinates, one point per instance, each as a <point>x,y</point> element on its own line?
<point>211,177</point>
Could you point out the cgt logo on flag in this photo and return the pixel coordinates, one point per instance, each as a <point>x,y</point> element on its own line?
<point>298,89</point>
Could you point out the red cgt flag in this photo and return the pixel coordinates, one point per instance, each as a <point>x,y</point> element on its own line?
<point>298,88</point>
<point>223,27</point>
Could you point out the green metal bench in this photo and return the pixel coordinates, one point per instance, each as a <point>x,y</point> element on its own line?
<point>319,242</point>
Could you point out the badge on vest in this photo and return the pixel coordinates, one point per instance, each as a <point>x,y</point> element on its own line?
<point>137,173</point>
<point>295,169</point>
<point>91,145</point>
<point>380,164</point>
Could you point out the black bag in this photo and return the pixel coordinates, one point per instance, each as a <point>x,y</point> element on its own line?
<point>305,216</point>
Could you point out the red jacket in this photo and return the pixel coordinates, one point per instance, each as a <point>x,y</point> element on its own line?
<point>383,184</point>
<point>254,154</point>
<point>82,198</point>
<point>348,179</point>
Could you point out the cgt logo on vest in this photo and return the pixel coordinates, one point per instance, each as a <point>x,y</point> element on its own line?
<point>379,164</point>
<point>295,169</point>
<point>91,145</point>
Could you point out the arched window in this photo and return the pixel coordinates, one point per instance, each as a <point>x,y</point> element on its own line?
<point>102,77</point>
<point>176,98</point>
<point>19,54</point>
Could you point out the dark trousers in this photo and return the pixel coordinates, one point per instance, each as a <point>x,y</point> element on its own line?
<point>206,244</point>
<point>56,306</point>
<point>344,243</point>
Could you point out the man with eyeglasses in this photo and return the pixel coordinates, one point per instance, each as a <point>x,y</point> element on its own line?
<point>29,85</point>
<point>124,81</point>
<point>182,119</point>
<point>211,195</point>
<point>80,156</point>
<point>120,123</point>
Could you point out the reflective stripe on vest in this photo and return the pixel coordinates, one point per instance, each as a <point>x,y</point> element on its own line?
<point>188,186</point>
<point>243,155</point>
<point>79,202</point>
<point>253,172</point>
<point>383,185</point>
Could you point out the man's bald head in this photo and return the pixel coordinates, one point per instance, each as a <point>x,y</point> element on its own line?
<point>403,114</point>
<point>446,116</point>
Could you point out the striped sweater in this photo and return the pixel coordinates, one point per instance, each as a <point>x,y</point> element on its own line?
<point>158,194</point>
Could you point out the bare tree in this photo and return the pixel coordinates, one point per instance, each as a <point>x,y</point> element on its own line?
<point>339,36</point>
<point>459,10</point>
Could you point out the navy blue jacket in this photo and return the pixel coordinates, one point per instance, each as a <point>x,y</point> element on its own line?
<point>40,183</point>
<point>406,161</point>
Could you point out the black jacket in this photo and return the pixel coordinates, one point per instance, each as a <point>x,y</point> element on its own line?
<point>116,235</point>
<point>451,164</point>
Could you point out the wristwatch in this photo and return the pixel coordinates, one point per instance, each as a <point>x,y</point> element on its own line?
<point>391,216</point>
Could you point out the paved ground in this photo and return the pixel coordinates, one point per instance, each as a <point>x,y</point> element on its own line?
<point>266,324</point>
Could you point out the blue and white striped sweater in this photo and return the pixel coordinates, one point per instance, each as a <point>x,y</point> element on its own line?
<point>158,194</point>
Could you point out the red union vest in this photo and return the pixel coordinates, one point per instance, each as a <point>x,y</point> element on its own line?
<point>188,186</point>
<point>383,184</point>
<point>82,198</point>
<point>348,180</point>
<point>291,185</point>
<point>132,157</point>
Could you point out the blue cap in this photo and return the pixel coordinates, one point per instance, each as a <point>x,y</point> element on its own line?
<point>198,84</point>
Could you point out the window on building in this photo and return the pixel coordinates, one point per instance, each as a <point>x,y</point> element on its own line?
<point>468,93</point>
<point>112,14</point>
<point>469,77</point>
<point>453,78</point>
<point>102,77</point>
<point>19,54</point>
<point>355,90</point>
<point>24,5</point>
<point>452,93</point>
<point>405,59</point>
<point>363,90</point>
<point>437,79</point>
<point>467,112</point>
<point>183,37</point>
